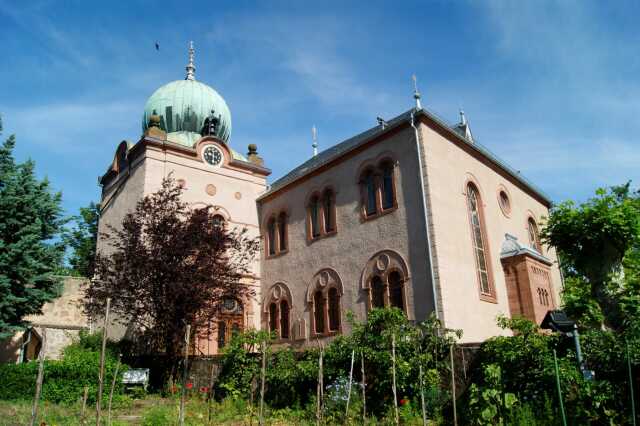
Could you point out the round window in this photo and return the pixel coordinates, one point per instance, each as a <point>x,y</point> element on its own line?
<point>505,203</point>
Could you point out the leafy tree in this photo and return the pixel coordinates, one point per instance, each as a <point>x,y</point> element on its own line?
<point>82,239</point>
<point>598,242</point>
<point>30,246</point>
<point>168,265</point>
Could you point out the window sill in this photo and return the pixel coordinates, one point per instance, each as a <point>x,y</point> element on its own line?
<point>276,255</point>
<point>321,236</point>
<point>327,334</point>
<point>365,218</point>
<point>488,298</point>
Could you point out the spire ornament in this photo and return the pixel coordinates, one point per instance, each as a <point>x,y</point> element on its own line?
<point>416,93</point>
<point>314,137</point>
<point>191,68</point>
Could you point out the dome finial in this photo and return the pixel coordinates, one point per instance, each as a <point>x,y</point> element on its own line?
<point>191,68</point>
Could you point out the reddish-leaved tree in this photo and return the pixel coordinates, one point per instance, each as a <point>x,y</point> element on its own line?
<point>169,265</point>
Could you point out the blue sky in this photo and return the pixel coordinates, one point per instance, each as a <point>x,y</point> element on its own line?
<point>550,87</point>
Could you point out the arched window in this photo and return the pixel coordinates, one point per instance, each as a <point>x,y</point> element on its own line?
<point>328,208</point>
<point>273,317</point>
<point>271,237</point>
<point>387,190</point>
<point>334,309</point>
<point>277,310</point>
<point>534,237</point>
<point>377,292</point>
<point>218,221</point>
<point>282,232</point>
<point>284,319</point>
<point>318,310</point>
<point>396,298</point>
<point>314,216</point>
<point>478,233</point>
<point>369,191</point>
<point>222,334</point>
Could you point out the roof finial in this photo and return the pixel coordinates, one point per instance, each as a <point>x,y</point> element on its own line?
<point>191,68</point>
<point>463,119</point>
<point>314,136</point>
<point>416,94</point>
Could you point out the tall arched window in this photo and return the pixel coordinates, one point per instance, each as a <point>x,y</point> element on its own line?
<point>534,236</point>
<point>273,317</point>
<point>388,196</point>
<point>282,232</point>
<point>396,298</point>
<point>328,209</point>
<point>271,237</point>
<point>334,309</point>
<point>369,183</point>
<point>277,310</point>
<point>479,246</point>
<point>323,296</point>
<point>377,292</point>
<point>284,319</point>
<point>319,308</point>
<point>314,216</point>
<point>222,334</point>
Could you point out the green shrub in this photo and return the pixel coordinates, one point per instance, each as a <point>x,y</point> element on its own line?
<point>64,380</point>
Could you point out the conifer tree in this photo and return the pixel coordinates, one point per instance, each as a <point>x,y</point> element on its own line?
<point>82,240</point>
<point>30,246</point>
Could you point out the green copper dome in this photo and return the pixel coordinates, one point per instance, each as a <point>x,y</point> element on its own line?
<point>183,107</point>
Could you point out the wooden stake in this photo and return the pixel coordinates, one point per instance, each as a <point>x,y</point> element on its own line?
<point>320,390</point>
<point>101,372</point>
<point>346,413</point>
<point>424,408</point>
<point>210,395</point>
<point>364,393</point>
<point>84,405</point>
<point>36,398</point>
<point>183,395</point>
<point>113,386</point>
<point>393,371</point>
<point>453,387</point>
<point>262,380</point>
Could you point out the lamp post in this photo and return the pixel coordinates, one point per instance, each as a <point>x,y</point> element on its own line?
<point>558,321</point>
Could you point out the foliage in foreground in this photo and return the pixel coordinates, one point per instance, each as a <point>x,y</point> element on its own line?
<point>82,240</point>
<point>291,377</point>
<point>30,221</point>
<point>65,379</point>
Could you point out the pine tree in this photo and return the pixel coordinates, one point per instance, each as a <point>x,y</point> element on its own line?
<point>82,239</point>
<point>30,245</point>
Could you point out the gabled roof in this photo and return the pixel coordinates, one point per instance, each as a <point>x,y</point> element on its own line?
<point>335,152</point>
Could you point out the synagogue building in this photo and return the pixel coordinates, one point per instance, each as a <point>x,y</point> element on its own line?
<point>412,213</point>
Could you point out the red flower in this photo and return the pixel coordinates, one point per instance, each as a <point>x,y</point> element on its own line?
<point>189,385</point>
<point>204,389</point>
<point>404,401</point>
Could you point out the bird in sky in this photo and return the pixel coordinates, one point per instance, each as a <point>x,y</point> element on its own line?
<point>157,46</point>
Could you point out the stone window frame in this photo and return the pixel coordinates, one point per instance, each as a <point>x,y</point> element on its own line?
<point>377,168</point>
<point>280,220</point>
<point>491,295</point>
<point>322,214</point>
<point>533,238</point>
<point>321,283</point>
<point>382,265</point>
<point>278,294</point>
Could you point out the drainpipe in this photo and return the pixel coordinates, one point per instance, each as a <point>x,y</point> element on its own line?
<point>426,218</point>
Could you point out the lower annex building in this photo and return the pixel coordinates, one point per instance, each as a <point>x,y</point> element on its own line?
<point>411,213</point>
